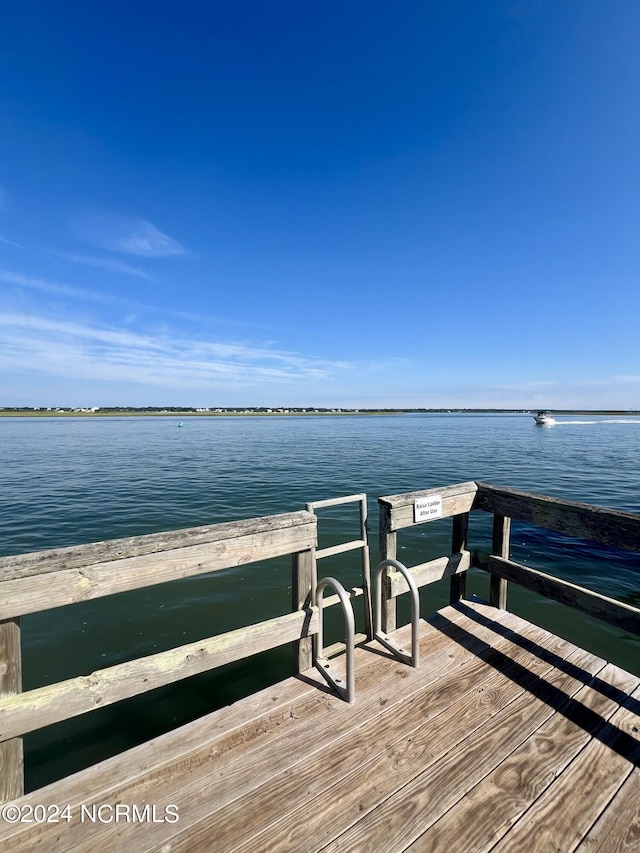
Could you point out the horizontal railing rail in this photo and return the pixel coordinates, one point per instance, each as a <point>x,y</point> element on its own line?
<point>585,521</point>
<point>432,571</point>
<point>30,583</point>
<point>40,581</point>
<point>578,597</point>
<point>399,511</point>
<point>605,526</point>
<point>42,706</point>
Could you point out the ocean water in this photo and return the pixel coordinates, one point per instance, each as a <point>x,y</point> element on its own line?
<point>66,481</point>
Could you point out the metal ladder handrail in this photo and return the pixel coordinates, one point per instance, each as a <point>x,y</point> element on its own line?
<point>362,544</point>
<point>389,644</point>
<point>322,663</point>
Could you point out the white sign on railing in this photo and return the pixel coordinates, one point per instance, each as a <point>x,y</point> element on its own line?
<point>426,509</point>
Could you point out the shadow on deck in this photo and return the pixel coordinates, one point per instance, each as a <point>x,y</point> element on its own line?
<point>505,738</point>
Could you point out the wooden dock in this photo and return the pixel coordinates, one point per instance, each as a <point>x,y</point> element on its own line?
<point>504,737</point>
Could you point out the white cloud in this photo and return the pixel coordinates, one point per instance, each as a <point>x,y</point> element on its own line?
<point>110,264</point>
<point>129,236</point>
<point>30,251</point>
<point>52,288</point>
<point>75,351</point>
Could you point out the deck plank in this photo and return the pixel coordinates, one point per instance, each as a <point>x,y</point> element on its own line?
<point>470,750</point>
<point>564,814</point>
<point>216,740</point>
<point>618,828</point>
<point>247,771</point>
<point>403,756</point>
<point>402,818</point>
<point>489,810</point>
<point>392,750</point>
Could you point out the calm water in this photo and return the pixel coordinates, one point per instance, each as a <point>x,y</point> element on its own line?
<point>66,481</point>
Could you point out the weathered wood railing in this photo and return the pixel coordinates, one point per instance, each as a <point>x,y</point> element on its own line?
<point>596,524</point>
<point>398,512</point>
<point>34,582</point>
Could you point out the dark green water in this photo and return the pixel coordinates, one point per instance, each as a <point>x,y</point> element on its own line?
<point>67,481</point>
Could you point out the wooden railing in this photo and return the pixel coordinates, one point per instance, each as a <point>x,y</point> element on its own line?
<point>398,512</point>
<point>34,582</point>
<point>596,524</point>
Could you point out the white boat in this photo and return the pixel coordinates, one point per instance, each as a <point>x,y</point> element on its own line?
<point>544,418</point>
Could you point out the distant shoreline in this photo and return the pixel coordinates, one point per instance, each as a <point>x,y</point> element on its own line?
<point>187,413</point>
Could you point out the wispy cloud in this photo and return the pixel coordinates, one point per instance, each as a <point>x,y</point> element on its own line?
<point>76,350</point>
<point>53,288</point>
<point>66,291</point>
<point>129,236</point>
<point>30,251</point>
<point>114,265</point>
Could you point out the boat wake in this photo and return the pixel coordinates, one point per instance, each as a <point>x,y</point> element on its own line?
<point>611,421</point>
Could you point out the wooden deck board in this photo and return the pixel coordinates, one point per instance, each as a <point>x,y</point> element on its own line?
<point>474,750</point>
<point>403,817</point>
<point>563,815</point>
<point>618,828</point>
<point>489,810</point>
<point>377,695</point>
<point>385,750</point>
<point>193,750</point>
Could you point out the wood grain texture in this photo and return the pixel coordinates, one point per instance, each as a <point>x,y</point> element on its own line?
<point>432,571</point>
<point>608,526</point>
<point>80,556</point>
<point>599,606</point>
<point>403,747</point>
<point>459,536</point>
<point>179,755</point>
<point>11,754</point>
<point>500,546</point>
<point>190,747</point>
<point>563,815</point>
<point>303,583</point>
<point>506,731</point>
<point>456,499</point>
<point>618,828</point>
<point>271,785</point>
<point>401,818</point>
<point>43,706</point>
<point>489,810</point>
<point>47,587</point>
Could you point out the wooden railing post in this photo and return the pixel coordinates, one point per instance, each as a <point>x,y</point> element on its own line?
<point>388,551</point>
<point>303,584</point>
<point>11,757</point>
<point>459,537</point>
<point>499,547</point>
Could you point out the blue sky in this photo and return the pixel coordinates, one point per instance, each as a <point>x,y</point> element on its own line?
<point>349,204</point>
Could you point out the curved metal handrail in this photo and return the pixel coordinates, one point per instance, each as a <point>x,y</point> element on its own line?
<point>333,678</point>
<point>415,611</point>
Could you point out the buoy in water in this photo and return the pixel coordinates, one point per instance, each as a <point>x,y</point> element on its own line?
<point>180,423</point>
